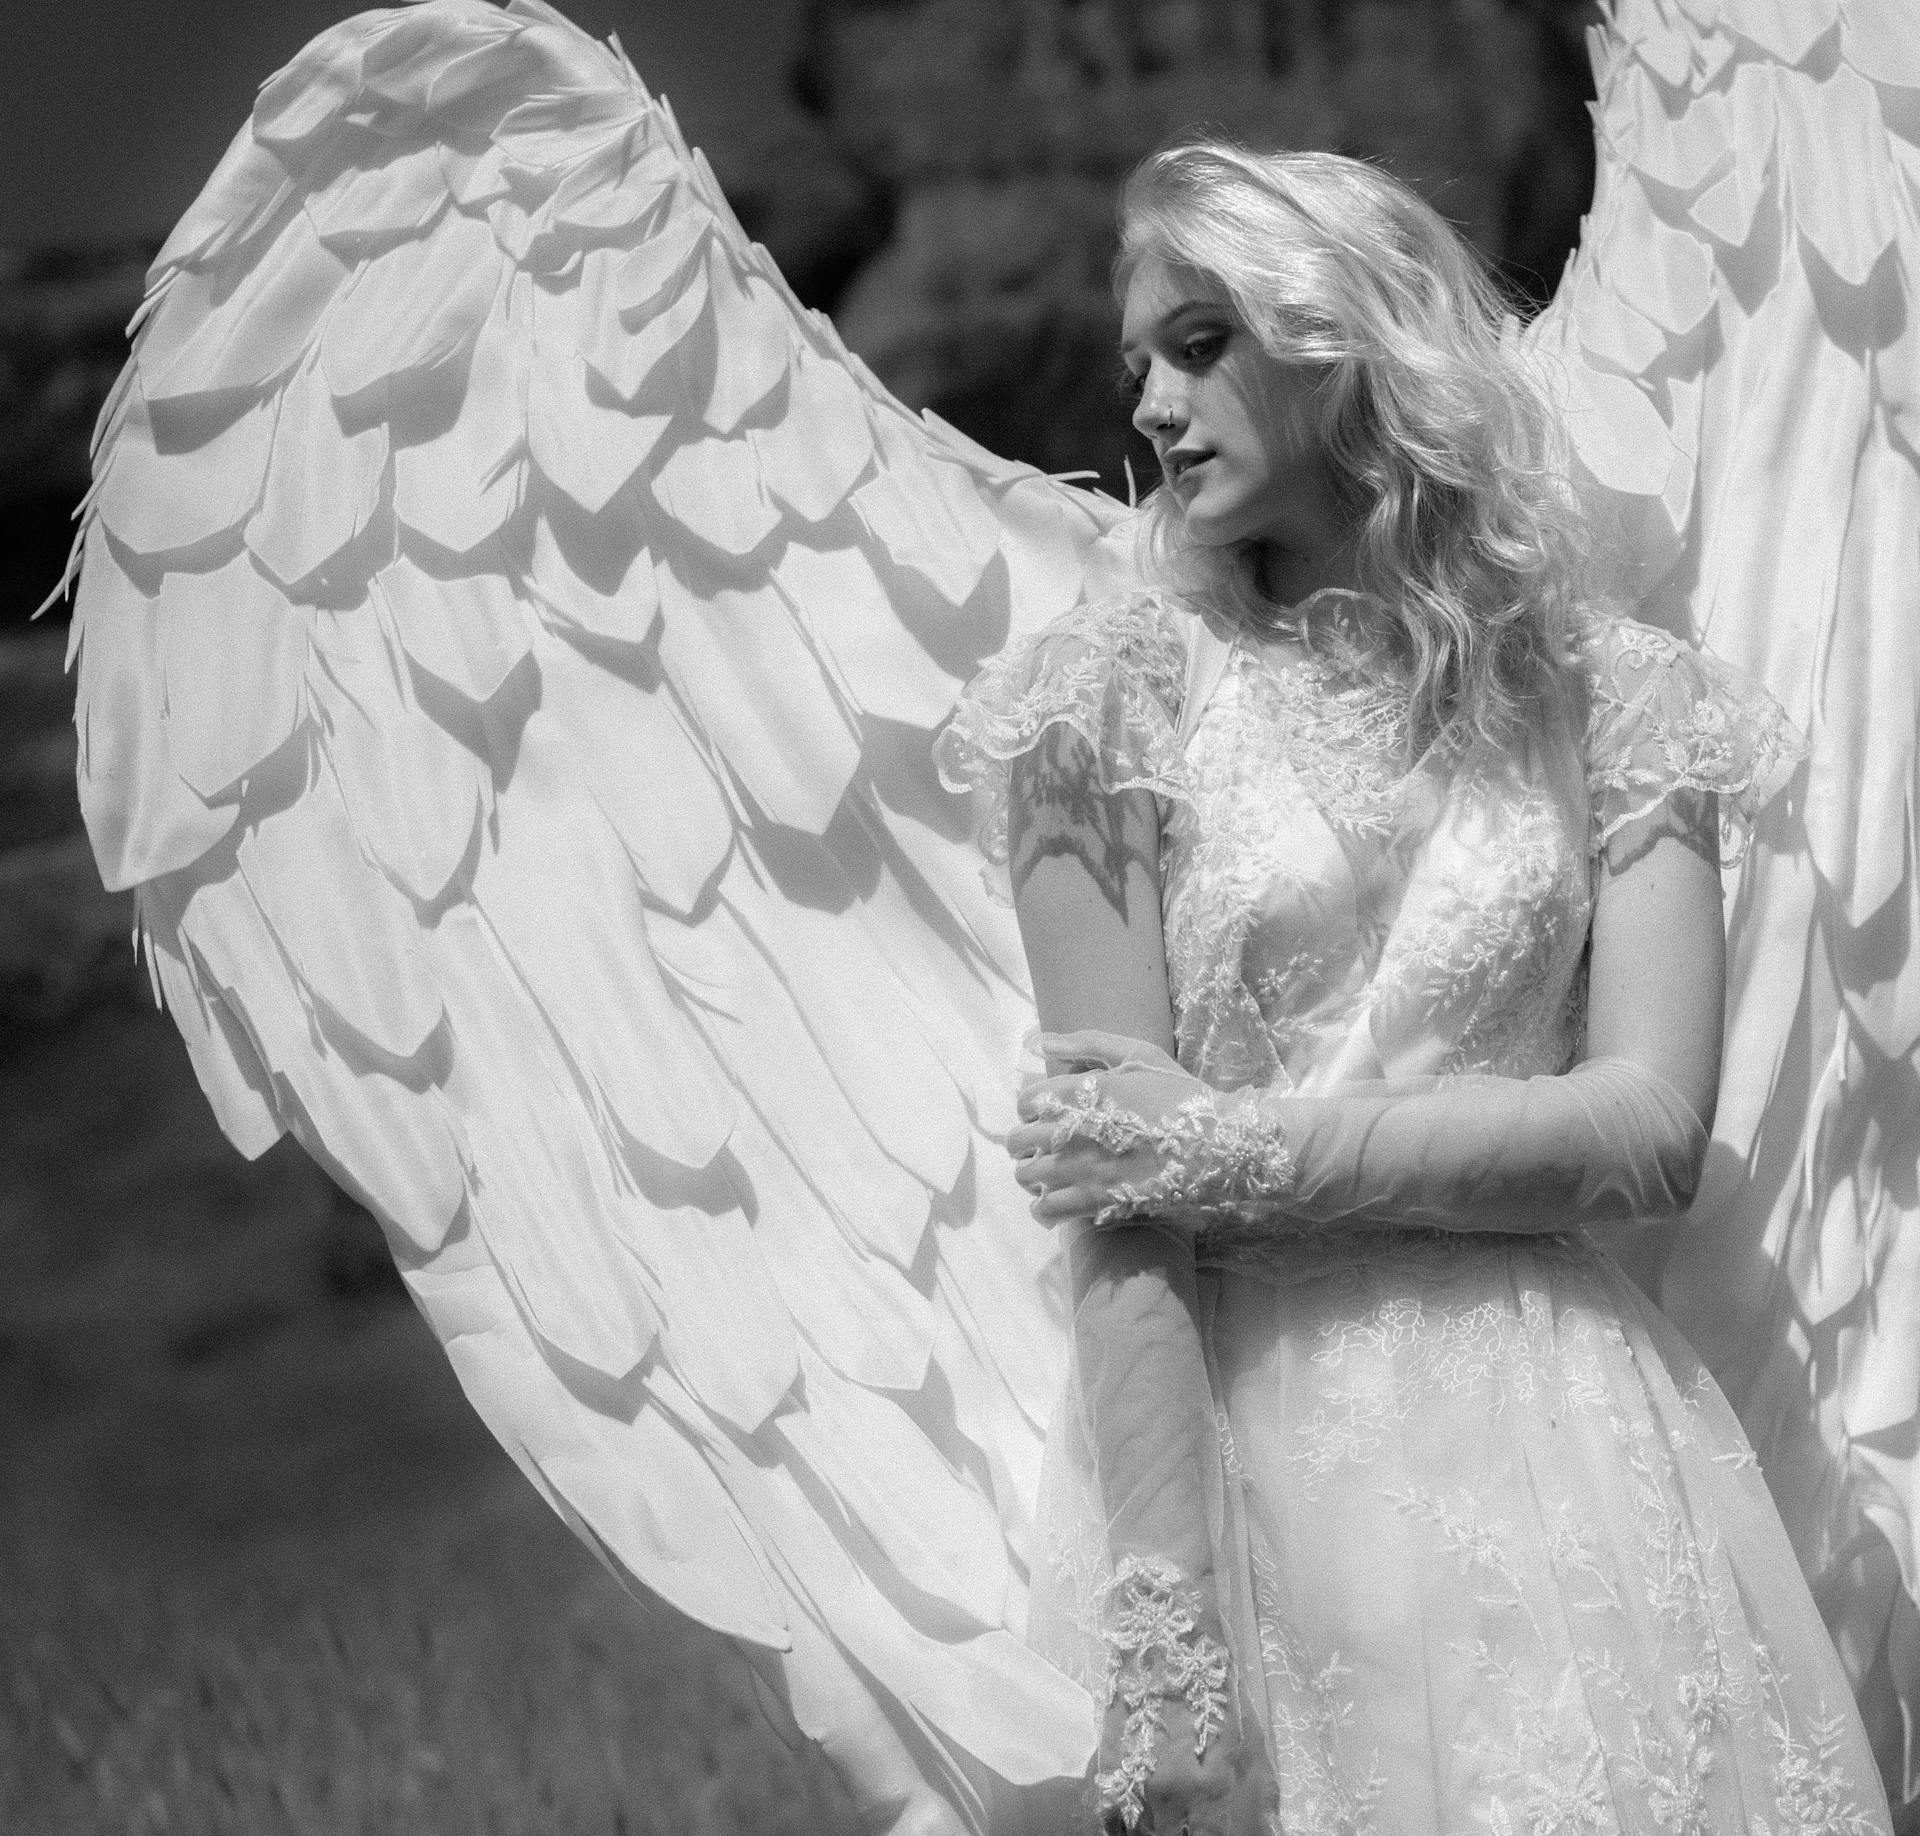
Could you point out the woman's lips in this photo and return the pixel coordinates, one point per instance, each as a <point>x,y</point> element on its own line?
<point>1180,467</point>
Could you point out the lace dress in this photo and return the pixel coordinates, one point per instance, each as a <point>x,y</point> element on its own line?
<point>1498,1555</point>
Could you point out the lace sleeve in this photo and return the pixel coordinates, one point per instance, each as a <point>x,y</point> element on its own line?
<point>1113,671</point>
<point>1665,718</point>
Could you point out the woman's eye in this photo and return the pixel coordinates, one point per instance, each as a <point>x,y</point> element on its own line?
<point>1131,383</point>
<point>1202,349</point>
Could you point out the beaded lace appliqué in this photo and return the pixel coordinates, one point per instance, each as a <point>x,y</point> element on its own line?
<point>1159,1654</point>
<point>1220,1157</point>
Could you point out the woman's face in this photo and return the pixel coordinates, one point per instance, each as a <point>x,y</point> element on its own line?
<point>1233,427</point>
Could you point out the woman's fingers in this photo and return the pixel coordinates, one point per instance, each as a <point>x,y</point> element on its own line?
<point>1205,1796</point>
<point>1083,1163</point>
<point>1027,1139</point>
<point>1037,1172</point>
<point>1067,1165</point>
<point>1048,1095</point>
<point>1098,1206</point>
<point>1073,1166</point>
<point>1066,1203</point>
<point>1049,1135</point>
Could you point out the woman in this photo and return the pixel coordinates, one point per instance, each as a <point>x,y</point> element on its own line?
<point>1369,880</point>
<point>511,634</point>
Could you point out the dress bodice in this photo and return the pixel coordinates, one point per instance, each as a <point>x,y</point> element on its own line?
<point>1334,913</point>
<point>1335,908</point>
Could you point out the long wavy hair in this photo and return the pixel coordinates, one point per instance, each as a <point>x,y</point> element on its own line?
<point>1446,451</point>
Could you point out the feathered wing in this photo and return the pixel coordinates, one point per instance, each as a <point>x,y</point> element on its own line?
<point>511,632</point>
<point>1740,333</point>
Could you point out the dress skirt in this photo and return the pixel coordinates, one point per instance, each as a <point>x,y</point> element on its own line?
<point>1498,1556</point>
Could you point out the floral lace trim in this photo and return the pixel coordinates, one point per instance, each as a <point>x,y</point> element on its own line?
<point>1664,718</point>
<point>1113,671</point>
<point>1159,1654</point>
<point>1221,1156</point>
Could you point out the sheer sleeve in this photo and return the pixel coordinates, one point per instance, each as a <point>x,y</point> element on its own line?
<point>1609,1140</point>
<point>1666,718</point>
<point>1070,734</point>
<point>1112,670</point>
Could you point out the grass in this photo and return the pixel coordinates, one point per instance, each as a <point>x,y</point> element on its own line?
<point>261,1570</point>
<point>474,1678</point>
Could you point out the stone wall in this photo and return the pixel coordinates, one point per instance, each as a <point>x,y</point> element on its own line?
<point>997,131</point>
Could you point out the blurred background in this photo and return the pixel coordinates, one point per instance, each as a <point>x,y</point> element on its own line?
<point>259,1569</point>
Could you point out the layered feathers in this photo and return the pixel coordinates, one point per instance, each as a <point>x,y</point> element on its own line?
<point>1740,339</point>
<point>511,632</point>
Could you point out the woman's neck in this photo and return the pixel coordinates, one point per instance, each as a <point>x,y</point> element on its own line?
<point>1287,574</point>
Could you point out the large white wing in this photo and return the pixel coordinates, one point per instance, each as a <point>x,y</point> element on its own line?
<point>1741,336</point>
<point>511,633</point>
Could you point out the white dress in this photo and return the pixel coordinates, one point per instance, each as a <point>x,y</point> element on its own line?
<point>1504,1559</point>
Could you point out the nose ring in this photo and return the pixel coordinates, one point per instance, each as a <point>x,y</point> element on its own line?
<point>1166,421</point>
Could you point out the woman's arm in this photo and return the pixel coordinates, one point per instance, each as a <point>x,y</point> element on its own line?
<point>1657,988</point>
<point>1086,887</point>
<point>1085,866</point>
<point>1086,883</point>
<point>1623,1135</point>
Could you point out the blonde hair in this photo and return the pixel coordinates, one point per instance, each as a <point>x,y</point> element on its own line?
<point>1445,449</point>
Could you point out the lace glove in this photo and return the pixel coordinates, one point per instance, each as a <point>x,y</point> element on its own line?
<point>1170,1751</point>
<point>1164,1659</point>
<point>1608,1140</point>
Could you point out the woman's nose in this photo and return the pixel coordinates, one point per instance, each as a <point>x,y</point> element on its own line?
<point>1157,414</point>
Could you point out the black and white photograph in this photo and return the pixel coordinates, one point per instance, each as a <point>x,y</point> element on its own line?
<point>960,918</point>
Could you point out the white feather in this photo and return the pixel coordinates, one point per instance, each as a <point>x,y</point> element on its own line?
<point>575,883</point>
<point>1787,544</point>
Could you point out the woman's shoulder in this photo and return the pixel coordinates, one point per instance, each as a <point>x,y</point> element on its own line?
<point>1617,653</point>
<point>1666,716</point>
<point>1641,676</point>
<point>1112,671</point>
<point>1144,629</point>
<point>1127,649</point>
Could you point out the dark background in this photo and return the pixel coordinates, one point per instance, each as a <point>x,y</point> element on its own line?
<point>260,1569</point>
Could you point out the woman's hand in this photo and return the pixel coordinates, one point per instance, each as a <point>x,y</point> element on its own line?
<point>1172,1756</point>
<point>1095,1140</point>
<point>1134,1136</point>
<point>1216,1794</point>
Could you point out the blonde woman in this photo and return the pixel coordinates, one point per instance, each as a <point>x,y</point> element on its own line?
<point>1369,877</point>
